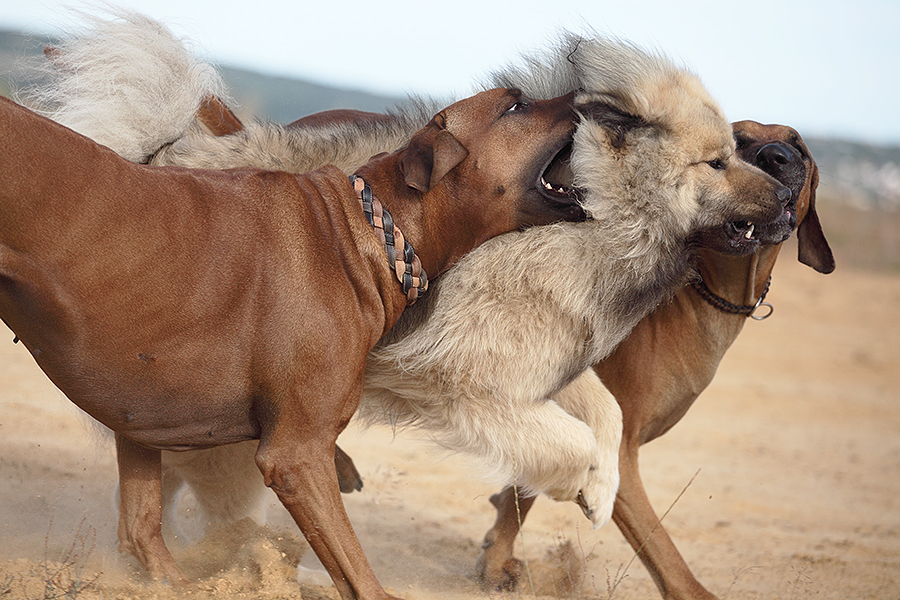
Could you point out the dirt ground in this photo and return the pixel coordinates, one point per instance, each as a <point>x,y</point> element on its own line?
<point>789,464</point>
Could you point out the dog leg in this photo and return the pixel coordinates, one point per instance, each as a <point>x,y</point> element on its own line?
<point>303,477</point>
<point>140,510</point>
<point>641,527</point>
<point>227,484</point>
<point>225,481</point>
<point>172,485</point>
<point>587,399</point>
<point>545,449</point>
<point>296,456</point>
<point>496,567</point>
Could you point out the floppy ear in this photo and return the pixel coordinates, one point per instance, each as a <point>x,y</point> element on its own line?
<point>430,155</point>
<point>813,247</point>
<point>618,123</point>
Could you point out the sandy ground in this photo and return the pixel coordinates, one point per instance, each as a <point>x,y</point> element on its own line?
<point>794,453</point>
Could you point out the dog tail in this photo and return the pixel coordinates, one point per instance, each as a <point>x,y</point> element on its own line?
<point>124,81</point>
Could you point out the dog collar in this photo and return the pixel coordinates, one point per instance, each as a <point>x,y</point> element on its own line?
<point>407,267</point>
<point>724,305</point>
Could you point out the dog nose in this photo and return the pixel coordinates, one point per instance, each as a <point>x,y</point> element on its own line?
<point>776,155</point>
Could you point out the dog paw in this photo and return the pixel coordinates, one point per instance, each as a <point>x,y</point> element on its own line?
<point>497,573</point>
<point>598,496</point>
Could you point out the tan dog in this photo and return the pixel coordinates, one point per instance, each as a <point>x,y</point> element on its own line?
<point>191,309</point>
<point>655,384</point>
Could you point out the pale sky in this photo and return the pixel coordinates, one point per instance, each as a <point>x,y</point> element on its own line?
<point>827,68</point>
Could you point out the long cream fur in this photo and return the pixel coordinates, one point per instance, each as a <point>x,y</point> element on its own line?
<point>126,82</point>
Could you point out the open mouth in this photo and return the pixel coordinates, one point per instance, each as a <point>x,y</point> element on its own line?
<point>741,234</point>
<point>556,182</point>
<point>744,236</point>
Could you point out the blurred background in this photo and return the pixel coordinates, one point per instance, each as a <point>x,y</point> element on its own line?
<point>827,68</point>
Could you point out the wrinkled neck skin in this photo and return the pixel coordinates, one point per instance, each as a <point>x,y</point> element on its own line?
<point>438,239</point>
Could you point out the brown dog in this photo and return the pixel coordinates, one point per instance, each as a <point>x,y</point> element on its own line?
<point>655,384</point>
<point>189,309</point>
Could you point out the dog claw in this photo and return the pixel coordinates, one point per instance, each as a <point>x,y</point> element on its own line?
<point>587,510</point>
<point>597,498</point>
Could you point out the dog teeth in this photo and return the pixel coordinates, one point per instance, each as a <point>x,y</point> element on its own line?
<point>550,188</point>
<point>749,234</point>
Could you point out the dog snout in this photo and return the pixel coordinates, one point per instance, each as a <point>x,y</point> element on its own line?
<point>783,162</point>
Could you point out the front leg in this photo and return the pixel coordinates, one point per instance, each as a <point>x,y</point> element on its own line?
<point>540,446</point>
<point>296,456</point>
<point>140,510</point>
<point>349,478</point>
<point>587,399</point>
<point>641,527</point>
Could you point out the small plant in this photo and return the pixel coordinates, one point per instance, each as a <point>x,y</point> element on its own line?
<point>6,585</point>
<point>800,581</point>
<point>64,579</point>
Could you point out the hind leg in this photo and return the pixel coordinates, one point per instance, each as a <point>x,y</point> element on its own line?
<point>224,480</point>
<point>140,510</point>
<point>496,567</point>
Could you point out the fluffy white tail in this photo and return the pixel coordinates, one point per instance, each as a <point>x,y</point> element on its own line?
<point>126,82</point>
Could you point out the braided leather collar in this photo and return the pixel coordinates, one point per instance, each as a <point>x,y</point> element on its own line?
<point>735,309</point>
<point>406,266</point>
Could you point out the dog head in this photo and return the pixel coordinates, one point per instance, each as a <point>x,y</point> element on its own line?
<point>780,151</point>
<point>655,154</point>
<point>502,154</point>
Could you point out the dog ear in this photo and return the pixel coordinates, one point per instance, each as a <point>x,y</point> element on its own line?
<point>430,155</point>
<point>814,250</point>
<point>616,122</point>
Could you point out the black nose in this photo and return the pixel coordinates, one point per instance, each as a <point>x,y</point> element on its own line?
<point>775,155</point>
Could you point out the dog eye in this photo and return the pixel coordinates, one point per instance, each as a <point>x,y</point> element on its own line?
<point>519,105</point>
<point>717,164</point>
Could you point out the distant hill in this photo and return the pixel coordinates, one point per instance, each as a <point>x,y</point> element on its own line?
<point>864,175</point>
<point>283,100</point>
<point>859,190</point>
